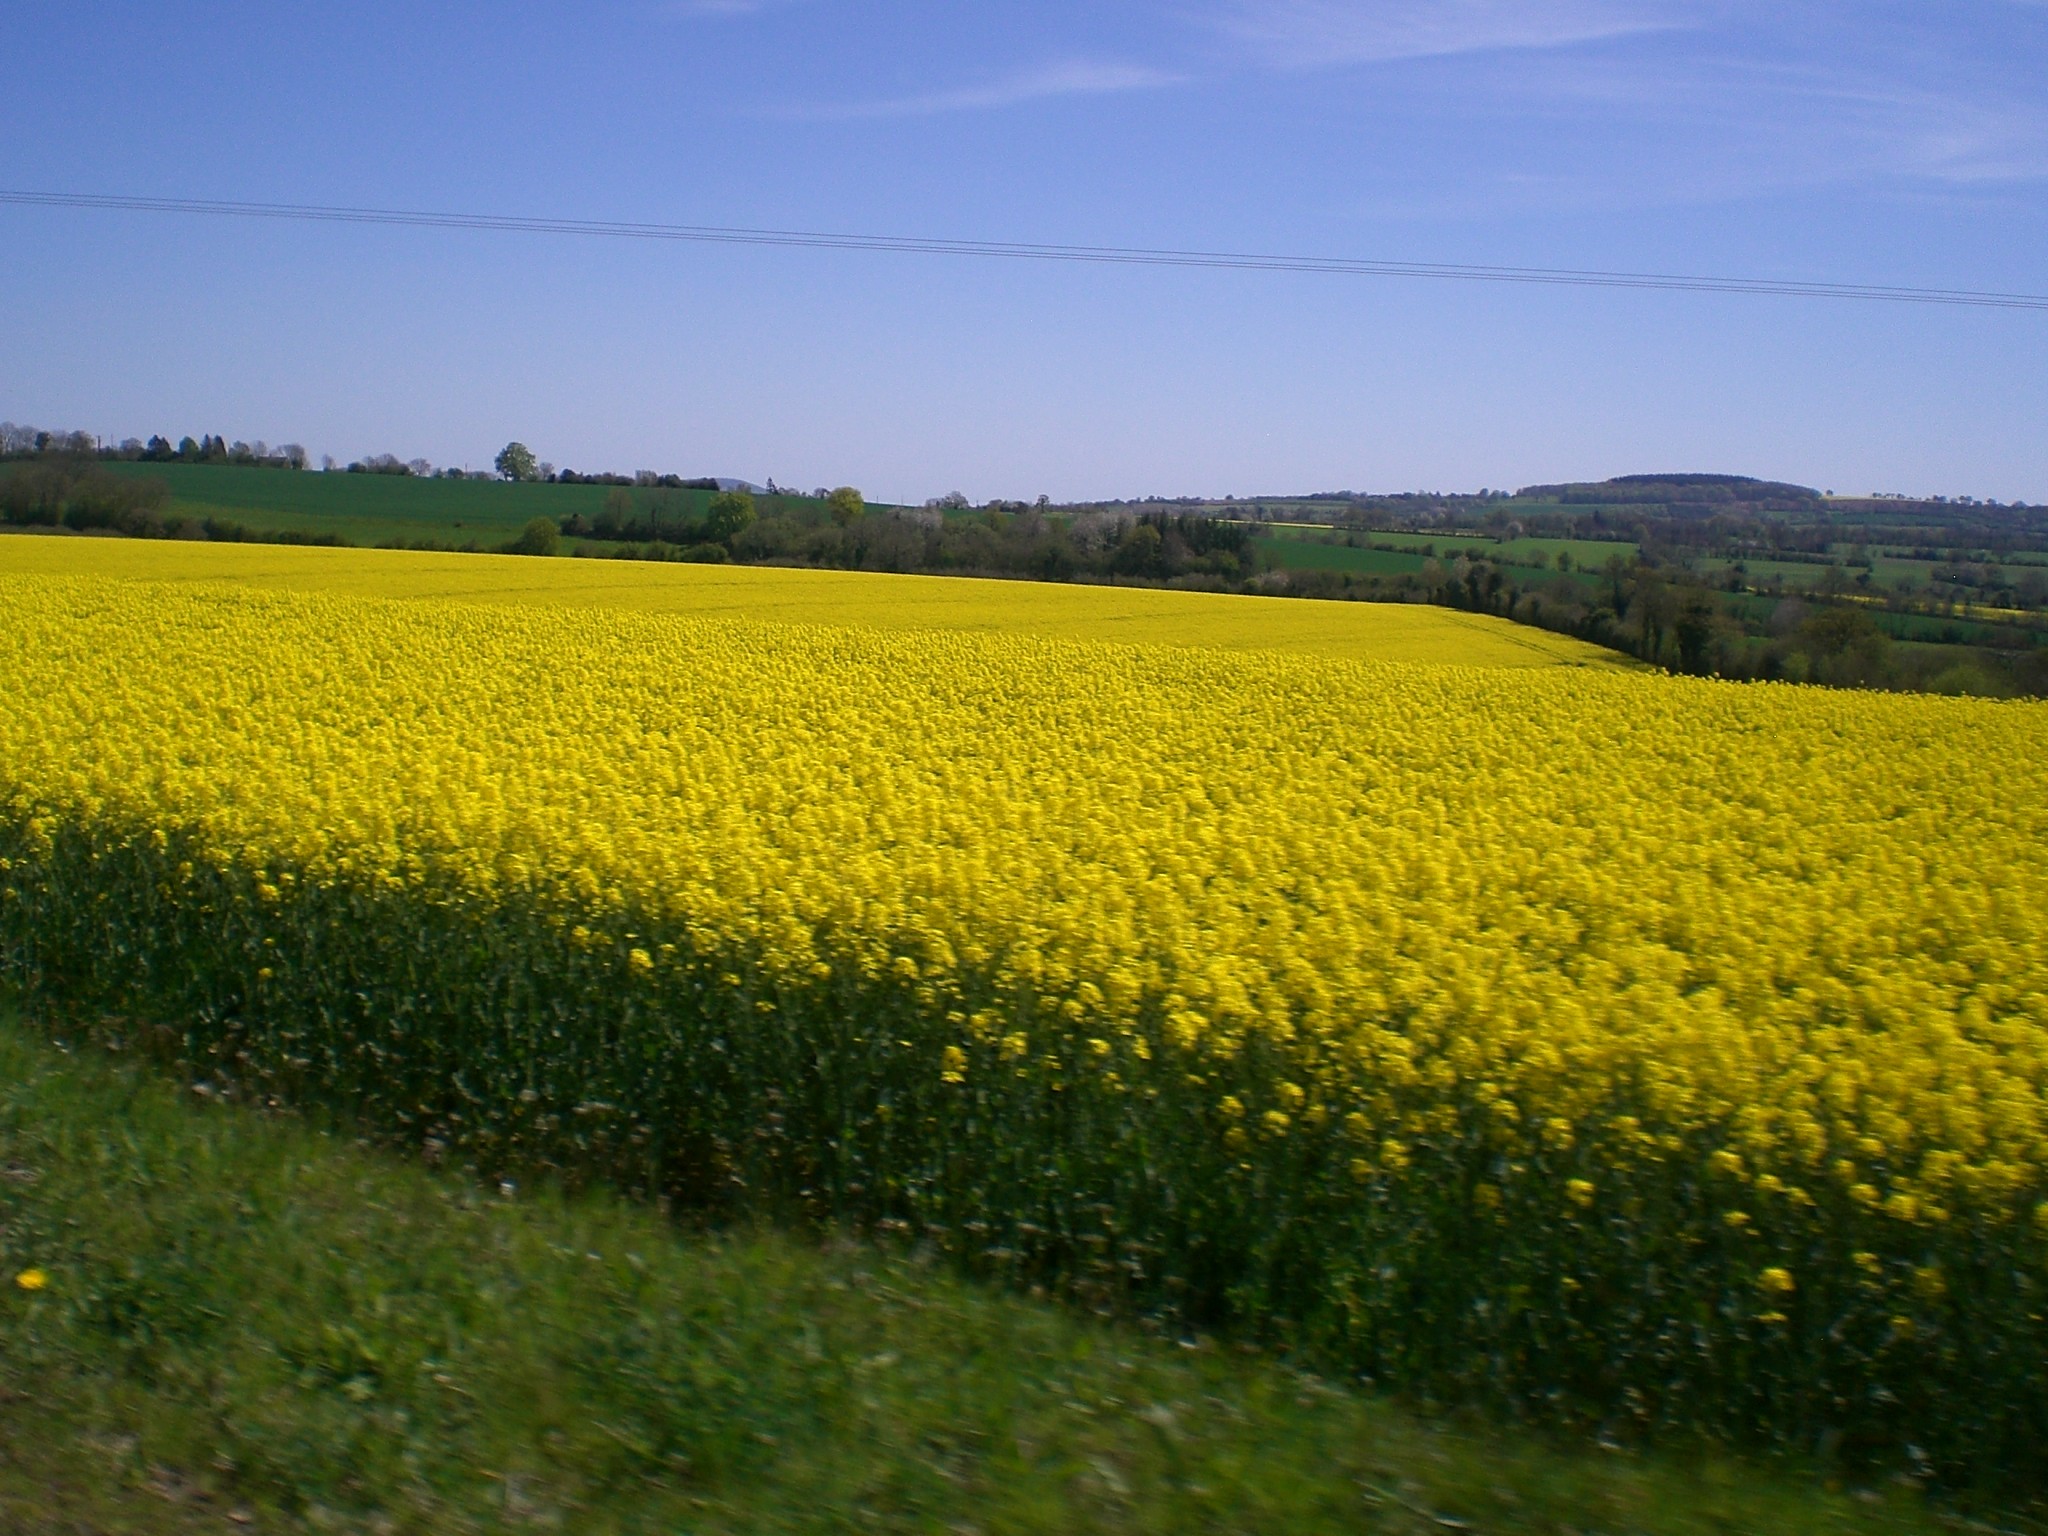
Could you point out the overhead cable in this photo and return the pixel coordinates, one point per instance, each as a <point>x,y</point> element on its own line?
<point>1138,256</point>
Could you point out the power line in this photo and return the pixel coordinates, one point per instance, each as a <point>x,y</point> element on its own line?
<point>1338,266</point>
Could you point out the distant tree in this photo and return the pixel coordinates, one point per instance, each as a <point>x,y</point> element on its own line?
<point>1139,552</point>
<point>1693,629</point>
<point>34,497</point>
<point>539,537</point>
<point>1833,631</point>
<point>101,500</point>
<point>1653,610</point>
<point>515,461</point>
<point>730,512</point>
<point>847,505</point>
<point>617,515</point>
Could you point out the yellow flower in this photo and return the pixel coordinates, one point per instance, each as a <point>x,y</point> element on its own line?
<point>33,1280</point>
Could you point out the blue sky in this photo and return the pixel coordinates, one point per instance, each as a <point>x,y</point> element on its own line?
<point>1858,142</point>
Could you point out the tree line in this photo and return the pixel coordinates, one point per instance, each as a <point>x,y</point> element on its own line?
<point>838,530</point>
<point>87,499</point>
<point>1669,617</point>
<point>18,442</point>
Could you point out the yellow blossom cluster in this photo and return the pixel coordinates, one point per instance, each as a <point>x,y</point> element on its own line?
<point>1815,921</point>
<point>867,599</point>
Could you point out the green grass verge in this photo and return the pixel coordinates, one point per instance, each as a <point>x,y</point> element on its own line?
<point>249,1323</point>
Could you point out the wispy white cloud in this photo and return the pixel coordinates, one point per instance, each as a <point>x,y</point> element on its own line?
<point>1704,128</point>
<point>1073,77</point>
<point>1800,121</point>
<point>1308,34</point>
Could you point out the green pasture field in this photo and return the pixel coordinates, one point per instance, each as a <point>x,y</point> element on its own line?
<point>217,1318</point>
<point>1921,630</point>
<point>1294,553</point>
<point>1587,554</point>
<point>1891,570</point>
<point>1300,550</point>
<point>386,509</point>
<point>1754,606</point>
<point>1933,628</point>
<point>1793,573</point>
<point>1761,566</point>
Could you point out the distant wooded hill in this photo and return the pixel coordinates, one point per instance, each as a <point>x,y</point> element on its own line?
<point>1680,494</point>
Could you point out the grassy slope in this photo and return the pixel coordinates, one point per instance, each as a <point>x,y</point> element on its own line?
<point>378,509</point>
<point>1587,554</point>
<point>1401,553</point>
<point>253,1325</point>
<point>1375,631</point>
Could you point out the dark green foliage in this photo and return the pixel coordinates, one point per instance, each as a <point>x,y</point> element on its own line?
<point>54,493</point>
<point>846,505</point>
<point>730,514</point>
<point>539,537</point>
<point>381,464</point>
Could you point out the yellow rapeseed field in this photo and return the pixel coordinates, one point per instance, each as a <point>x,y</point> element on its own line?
<point>1136,615</point>
<point>1654,1046</point>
